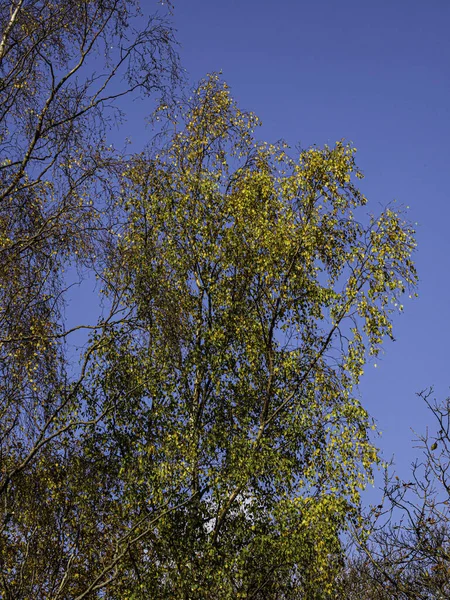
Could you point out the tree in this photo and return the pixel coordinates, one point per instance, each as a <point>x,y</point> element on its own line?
<point>253,296</point>
<point>208,444</point>
<point>64,66</point>
<point>407,555</point>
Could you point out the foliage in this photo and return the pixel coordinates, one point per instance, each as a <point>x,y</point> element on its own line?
<point>63,68</point>
<point>253,296</point>
<point>209,442</point>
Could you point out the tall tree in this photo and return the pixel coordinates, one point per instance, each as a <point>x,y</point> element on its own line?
<point>253,295</point>
<point>64,66</point>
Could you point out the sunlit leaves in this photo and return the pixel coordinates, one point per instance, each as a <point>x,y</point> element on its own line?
<point>257,288</point>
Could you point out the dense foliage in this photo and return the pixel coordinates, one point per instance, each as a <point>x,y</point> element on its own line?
<point>252,295</point>
<point>208,443</point>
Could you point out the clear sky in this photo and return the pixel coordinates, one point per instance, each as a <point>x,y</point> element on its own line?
<point>377,74</point>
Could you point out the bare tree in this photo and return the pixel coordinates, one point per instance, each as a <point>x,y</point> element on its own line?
<point>408,554</point>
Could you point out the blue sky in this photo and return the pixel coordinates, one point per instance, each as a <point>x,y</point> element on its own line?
<point>377,74</point>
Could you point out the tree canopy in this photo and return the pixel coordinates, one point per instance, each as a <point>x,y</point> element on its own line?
<point>253,294</point>
<point>210,442</point>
